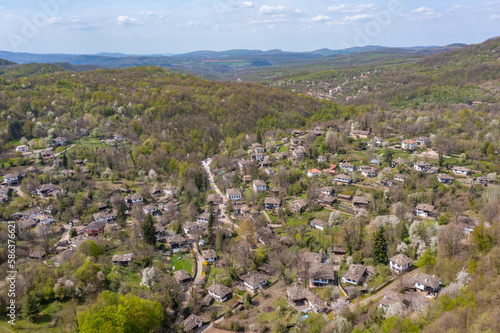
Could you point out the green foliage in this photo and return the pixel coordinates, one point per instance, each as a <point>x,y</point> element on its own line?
<point>148,230</point>
<point>30,305</point>
<point>118,313</point>
<point>87,272</point>
<point>380,247</point>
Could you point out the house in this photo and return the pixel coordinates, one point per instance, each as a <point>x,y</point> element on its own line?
<point>190,227</point>
<point>359,134</point>
<point>272,202</point>
<point>299,295</point>
<point>424,210</point>
<point>43,218</point>
<point>220,292</point>
<point>327,190</point>
<point>243,164</point>
<point>134,199</point>
<point>346,179</point>
<point>346,166</point>
<point>467,224</point>
<point>176,242</point>
<point>257,156</point>
<point>319,224</point>
<point>30,213</point>
<point>275,191</point>
<point>170,190</point>
<point>22,148</point>
<point>155,191</point>
<point>12,178</point>
<point>233,194</point>
<point>313,172</point>
<point>445,178</point>
<point>45,189</point>
<point>192,323</point>
<point>60,141</point>
<point>214,199</point>
<point>94,229</point>
<point>58,162</point>
<point>254,280</point>
<point>356,274</point>
<point>84,131</point>
<point>4,190</point>
<point>182,276</point>
<point>203,217</point>
<point>360,202</point>
<point>298,153</point>
<point>375,161</point>
<point>269,171</point>
<point>209,255</point>
<point>259,186</point>
<point>408,144</point>
<point>149,210</point>
<point>377,141</point>
<point>298,206</point>
<point>481,180</point>
<point>27,224</point>
<point>326,199</point>
<point>322,274</point>
<point>63,257</point>
<point>265,235</point>
<point>37,254</point>
<point>400,263</point>
<point>321,159</point>
<point>47,154</point>
<point>421,166</point>
<point>426,284</point>
<point>401,178</point>
<point>423,140</point>
<point>367,171</point>
<point>122,259</point>
<point>104,217</point>
<point>397,161</point>
<point>460,170</point>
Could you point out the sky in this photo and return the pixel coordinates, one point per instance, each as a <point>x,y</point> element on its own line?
<point>167,27</point>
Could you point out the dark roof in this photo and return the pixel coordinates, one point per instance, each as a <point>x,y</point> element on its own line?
<point>425,207</point>
<point>207,254</point>
<point>355,272</point>
<point>94,226</point>
<point>253,278</point>
<point>191,322</point>
<point>272,201</point>
<point>322,271</point>
<point>182,275</point>
<point>428,280</point>
<point>220,289</point>
<point>64,256</point>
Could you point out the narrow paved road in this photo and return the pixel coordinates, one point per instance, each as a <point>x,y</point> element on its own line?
<point>206,165</point>
<point>199,264</point>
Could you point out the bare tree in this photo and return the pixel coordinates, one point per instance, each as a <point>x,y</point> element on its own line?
<point>491,211</point>
<point>450,238</point>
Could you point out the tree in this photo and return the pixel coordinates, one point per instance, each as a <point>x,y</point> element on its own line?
<point>64,161</point>
<point>30,305</point>
<point>121,314</point>
<point>121,218</point>
<point>450,238</point>
<point>259,137</point>
<point>210,225</point>
<point>335,218</point>
<point>148,230</point>
<point>380,247</point>
<point>148,277</point>
<point>73,233</point>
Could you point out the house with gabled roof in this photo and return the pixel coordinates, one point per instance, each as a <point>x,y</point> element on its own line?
<point>259,186</point>
<point>322,274</point>
<point>313,172</point>
<point>272,202</point>
<point>397,161</point>
<point>182,276</point>
<point>299,295</point>
<point>220,292</point>
<point>346,166</point>
<point>421,166</point>
<point>209,255</point>
<point>424,210</point>
<point>445,178</point>
<point>346,179</point>
<point>94,229</point>
<point>22,148</point>
<point>63,257</point>
<point>254,280</point>
<point>360,202</point>
<point>60,141</point>
<point>427,284</point>
<point>134,199</point>
<point>214,199</point>
<point>356,274</point>
<point>122,259</point>
<point>408,144</point>
<point>234,194</point>
<point>460,170</point>
<point>400,263</point>
<point>319,224</point>
<point>192,323</point>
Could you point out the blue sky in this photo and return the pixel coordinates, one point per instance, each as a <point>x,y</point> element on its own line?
<point>160,27</point>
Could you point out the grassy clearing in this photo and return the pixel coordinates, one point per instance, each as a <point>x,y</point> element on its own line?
<point>184,263</point>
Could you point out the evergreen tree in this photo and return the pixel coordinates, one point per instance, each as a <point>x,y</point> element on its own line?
<point>148,230</point>
<point>73,233</point>
<point>210,234</point>
<point>30,306</point>
<point>259,136</point>
<point>120,216</point>
<point>219,237</point>
<point>380,247</point>
<point>64,161</point>
<point>39,159</point>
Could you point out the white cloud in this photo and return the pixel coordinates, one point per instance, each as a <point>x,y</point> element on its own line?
<point>359,17</point>
<point>246,4</point>
<point>495,17</point>
<point>321,18</point>
<point>125,20</point>
<point>422,10</point>
<point>344,9</point>
<point>55,19</point>
<point>269,10</point>
<point>299,12</point>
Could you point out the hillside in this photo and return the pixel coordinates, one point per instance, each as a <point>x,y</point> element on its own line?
<point>4,62</point>
<point>429,81</point>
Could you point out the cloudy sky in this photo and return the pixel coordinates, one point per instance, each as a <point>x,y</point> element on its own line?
<point>164,26</point>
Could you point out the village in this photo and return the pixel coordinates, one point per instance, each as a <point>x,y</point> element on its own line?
<point>266,242</point>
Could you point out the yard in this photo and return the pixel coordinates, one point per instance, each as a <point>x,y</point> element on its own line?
<point>182,261</point>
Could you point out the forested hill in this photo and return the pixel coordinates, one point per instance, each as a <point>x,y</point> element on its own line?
<point>424,83</point>
<point>159,112</point>
<point>4,62</point>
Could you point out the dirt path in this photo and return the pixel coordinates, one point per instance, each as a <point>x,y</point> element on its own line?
<point>199,264</point>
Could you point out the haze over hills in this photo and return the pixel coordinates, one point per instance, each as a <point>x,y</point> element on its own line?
<point>222,64</point>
